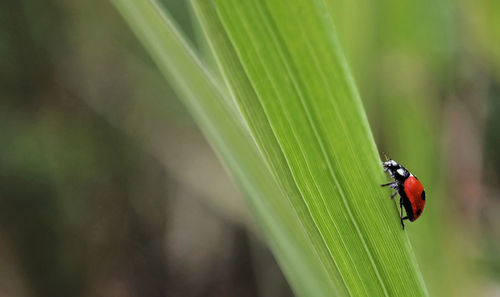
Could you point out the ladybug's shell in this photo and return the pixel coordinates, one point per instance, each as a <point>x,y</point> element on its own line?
<point>416,195</point>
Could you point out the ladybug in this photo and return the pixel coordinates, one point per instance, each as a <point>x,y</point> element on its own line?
<point>409,188</point>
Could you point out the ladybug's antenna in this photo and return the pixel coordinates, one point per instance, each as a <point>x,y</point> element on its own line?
<point>387,159</point>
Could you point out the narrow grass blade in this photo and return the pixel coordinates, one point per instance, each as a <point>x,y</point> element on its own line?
<point>291,56</point>
<point>219,120</point>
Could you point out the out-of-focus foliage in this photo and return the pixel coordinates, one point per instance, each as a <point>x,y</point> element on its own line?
<point>107,187</point>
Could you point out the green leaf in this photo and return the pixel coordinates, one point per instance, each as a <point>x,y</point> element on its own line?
<point>217,117</point>
<point>291,56</point>
<point>297,141</point>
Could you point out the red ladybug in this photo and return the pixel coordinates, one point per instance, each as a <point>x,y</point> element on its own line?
<point>409,188</point>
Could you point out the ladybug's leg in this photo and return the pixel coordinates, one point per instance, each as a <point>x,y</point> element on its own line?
<point>402,224</point>
<point>388,184</point>
<point>401,212</point>
<point>395,193</point>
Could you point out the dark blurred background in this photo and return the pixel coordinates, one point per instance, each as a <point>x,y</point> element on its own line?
<point>108,188</point>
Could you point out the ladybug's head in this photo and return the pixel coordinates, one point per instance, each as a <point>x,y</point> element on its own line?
<point>397,171</point>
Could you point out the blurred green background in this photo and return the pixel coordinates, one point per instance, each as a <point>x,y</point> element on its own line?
<point>109,189</point>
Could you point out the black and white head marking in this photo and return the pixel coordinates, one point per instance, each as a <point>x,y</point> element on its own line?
<point>398,172</point>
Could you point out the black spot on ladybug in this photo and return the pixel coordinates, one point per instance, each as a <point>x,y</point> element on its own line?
<point>423,195</point>
<point>419,212</point>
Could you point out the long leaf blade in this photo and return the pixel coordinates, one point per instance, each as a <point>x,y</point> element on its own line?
<point>301,79</point>
<point>222,125</point>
